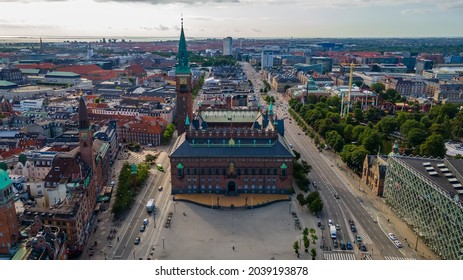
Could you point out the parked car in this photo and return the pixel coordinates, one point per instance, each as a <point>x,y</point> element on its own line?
<point>137,241</point>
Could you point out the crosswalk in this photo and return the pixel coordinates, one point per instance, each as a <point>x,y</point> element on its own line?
<point>339,256</point>
<point>365,237</point>
<point>391,258</point>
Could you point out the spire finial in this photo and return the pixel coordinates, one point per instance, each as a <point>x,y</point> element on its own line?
<point>182,19</point>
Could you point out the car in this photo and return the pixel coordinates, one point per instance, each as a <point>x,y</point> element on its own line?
<point>397,244</point>
<point>362,247</point>
<point>342,245</point>
<point>330,222</point>
<point>392,236</point>
<point>142,228</point>
<point>160,188</point>
<point>348,245</point>
<point>353,228</point>
<point>137,241</point>
<point>358,238</point>
<point>338,227</point>
<point>336,195</point>
<point>145,221</point>
<point>351,222</point>
<point>335,243</point>
<point>298,133</point>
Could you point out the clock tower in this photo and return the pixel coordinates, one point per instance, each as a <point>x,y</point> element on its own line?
<point>184,112</point>
<point>85,135</point>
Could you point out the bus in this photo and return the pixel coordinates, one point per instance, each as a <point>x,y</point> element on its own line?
<point>150,206</point>
<point>333,232</point>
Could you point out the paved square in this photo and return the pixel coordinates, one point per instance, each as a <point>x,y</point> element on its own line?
<point>205,234</point>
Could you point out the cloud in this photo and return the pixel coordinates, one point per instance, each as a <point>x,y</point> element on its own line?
<point>161,2</point>
<point>416,11</point>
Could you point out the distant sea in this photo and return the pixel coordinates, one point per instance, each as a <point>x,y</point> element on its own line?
<point>60,39</point>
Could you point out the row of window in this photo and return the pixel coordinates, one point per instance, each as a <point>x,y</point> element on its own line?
<point>245,179</point>
<point>245,187</point>
<point>226,171</point>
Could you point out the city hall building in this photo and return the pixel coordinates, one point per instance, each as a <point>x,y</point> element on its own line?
<point>227,151</point>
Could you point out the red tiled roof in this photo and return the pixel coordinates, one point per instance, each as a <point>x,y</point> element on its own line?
<point>44,66</point>
<point>79,69</point>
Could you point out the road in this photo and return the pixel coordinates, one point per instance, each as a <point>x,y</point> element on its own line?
<point>126,249</point>
<point>332,177</point>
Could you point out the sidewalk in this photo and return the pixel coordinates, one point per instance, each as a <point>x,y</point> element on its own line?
<point>387,219</point>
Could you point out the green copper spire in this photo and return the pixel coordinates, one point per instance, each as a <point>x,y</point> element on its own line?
<point>271,108</point>
<point>183,66</point>
<point>187,120</point>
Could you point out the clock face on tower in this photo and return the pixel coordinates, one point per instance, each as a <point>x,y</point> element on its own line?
<point>182,80</point>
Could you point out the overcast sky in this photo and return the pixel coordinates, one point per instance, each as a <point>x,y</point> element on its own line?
<point>235,18</point>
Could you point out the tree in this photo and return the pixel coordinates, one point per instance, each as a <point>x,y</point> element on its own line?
<point>300,198</point>
<point>388,124</point>
<point>305,231</point>
<point>306,243</point>
<point>3,166</point>
<point>313,253</point>
<point>296,247</point>
<point>433,146</point>
<point>316,205</point>
<point>415,137</point>
<point>378,87</point>
<point>335,140</point>
<point>22,159</point>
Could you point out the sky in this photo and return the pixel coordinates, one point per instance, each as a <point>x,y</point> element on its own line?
<point>235,18</point>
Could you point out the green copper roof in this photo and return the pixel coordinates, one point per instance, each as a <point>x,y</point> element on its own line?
<point>183,66</point>
<point>180,165</point>
<point>187,120</point>
<point>4,179</point>
<point>283,166</point>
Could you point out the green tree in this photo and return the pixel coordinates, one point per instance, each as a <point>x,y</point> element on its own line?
<point>3,166</point>
<point>316,205</point>
<point>306,241</point>
<point>378,87</point>
<point>408,125</point>
<point>313,253</point>
<point>22,159</point>
<point>300,198</point>
<point>335,140</point>
<point>433,146</point>
<point>415,137</point>
<point>388,124</point>
<point>296,247</point>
